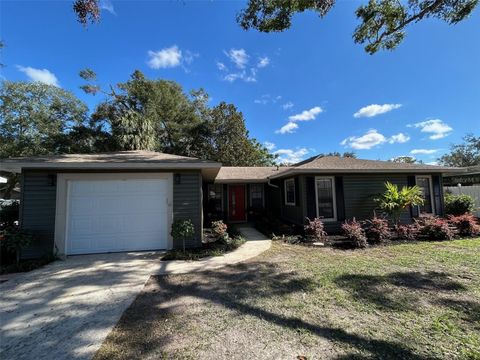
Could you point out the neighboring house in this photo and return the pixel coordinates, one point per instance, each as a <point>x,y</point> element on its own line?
<point>466,183</point>
<point>126,201</point>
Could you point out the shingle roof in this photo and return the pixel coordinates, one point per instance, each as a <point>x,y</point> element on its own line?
<point>121,159</point>
<point>231,174</point>
<point>338,164</point>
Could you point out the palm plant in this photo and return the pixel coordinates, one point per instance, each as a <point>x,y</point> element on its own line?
<point>394,200</point>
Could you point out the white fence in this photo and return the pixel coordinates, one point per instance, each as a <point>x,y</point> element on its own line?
<point>473,191</point>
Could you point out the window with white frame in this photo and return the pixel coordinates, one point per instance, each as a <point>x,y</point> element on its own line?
<point>325,197</point>
<point>425,185</point>
<point>215,192</point>
<point>290,192</point>
<point>256,195</point>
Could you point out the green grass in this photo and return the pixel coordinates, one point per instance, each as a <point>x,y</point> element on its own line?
<point>406,301</point>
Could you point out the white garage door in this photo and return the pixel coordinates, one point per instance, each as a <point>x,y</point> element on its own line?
<point>117,215</point>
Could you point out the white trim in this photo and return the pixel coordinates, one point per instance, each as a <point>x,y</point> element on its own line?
<point>263,193</point>
<point>333,195</point>
<point>62,199</point>
<point>432,198</point>
<point>285,191</point>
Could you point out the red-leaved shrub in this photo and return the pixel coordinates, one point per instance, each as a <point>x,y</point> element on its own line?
<point>407,232</point>
<point>314,230</point>
<point>465,224</point>
<point>434,228</point>
<point>377,230</point>
<point>354,232</point>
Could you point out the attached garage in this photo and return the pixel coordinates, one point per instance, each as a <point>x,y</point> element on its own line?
<point>118,215</point>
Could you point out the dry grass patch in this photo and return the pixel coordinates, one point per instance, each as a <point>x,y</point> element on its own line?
<point>410,301</point>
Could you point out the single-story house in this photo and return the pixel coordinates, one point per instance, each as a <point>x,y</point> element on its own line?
<point>127,201</point>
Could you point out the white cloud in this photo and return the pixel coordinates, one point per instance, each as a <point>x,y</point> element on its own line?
<point>436,127</point>
<point>242,75</point>
<point>39,75</point>
<point>240,60</point>
<point>287,105</point>
<point>267,98</point>
<point>367,141</point>
<point>238,56</point>
<point>288,128</point>
<point>108,6</point>
<point>399,138</point>
<point>269,145</point>
<point>263,61</point>
<point>432,163</point>
<point>165,58</point>
<point>307,115</point>
<point>291,156</point>
<point>375,109</point>
<point>423,151</point>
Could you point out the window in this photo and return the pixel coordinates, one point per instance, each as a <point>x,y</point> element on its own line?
<point>290,192</point>
<point>425,184</point>
<point>215,192</point>
<point>325,197</point>
<point>256,195</point>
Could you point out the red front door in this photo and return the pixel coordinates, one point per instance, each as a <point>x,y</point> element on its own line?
<point>236,202</point>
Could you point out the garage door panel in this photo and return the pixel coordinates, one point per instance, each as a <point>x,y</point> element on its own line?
<point>117,215</point>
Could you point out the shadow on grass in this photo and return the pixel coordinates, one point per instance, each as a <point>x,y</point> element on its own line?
<point>379,289</point>
<point>237,288</point>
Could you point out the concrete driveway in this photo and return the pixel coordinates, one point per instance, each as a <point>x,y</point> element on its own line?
<point>66,309</point>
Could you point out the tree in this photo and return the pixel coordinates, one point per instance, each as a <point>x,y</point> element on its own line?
<point>394,200</point>
<point>226,139</point>
<point>404,160</point>
<point>382,22</point>
<point>145,114</point>
<point>35,119</point>
<point>463,155</point>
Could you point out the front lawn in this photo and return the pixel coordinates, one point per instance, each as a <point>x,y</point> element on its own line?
<point>407,301</point>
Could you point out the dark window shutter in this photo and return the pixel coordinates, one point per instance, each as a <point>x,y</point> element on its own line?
<point>437,194</point>
<point>340,198</point>
<point>311,203</point>
<point>413,209</point>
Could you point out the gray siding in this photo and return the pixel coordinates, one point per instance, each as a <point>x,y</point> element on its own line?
<point>38,212</point>
<point>187,198</point>
<point>294,214</point>
<point>360,190</point>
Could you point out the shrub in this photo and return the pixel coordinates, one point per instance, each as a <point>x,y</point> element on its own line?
<point>407,232</point>
<point>377,230</point>
<point>465,224</point>
<point>314,230</point>
<point>434,228</point>
<point>354,232</point>
<point>182,229</point>
<point>219,229</point>
<point>14,240</point>
<point>289,239</point>
<point>9,213</point>
<point>394,200</point>
<point>458,204</point>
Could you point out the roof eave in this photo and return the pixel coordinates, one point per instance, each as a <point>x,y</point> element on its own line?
<point>17,167</point>
<point>370,171</point>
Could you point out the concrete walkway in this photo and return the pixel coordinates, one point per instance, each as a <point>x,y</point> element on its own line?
<point>66,309</point>
<point>256,244</point>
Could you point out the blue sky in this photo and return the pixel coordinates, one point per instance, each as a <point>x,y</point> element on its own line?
<point>305,91</point>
